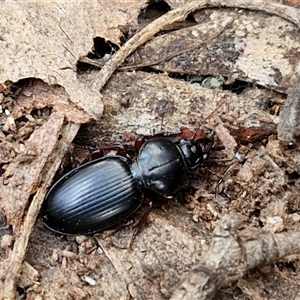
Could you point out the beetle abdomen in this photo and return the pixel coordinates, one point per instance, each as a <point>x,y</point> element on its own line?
<point>92,197</point>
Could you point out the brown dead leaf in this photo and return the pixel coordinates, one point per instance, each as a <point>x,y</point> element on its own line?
<point>46,39</point>
<point>251,46</point>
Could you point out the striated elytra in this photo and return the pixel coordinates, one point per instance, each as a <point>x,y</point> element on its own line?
<point>103,192</point>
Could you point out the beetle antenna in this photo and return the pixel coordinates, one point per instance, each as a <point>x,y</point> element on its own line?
<point>223,191</point>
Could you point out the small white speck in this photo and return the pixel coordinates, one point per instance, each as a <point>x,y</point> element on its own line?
<point>89,280</point>
<point>195,33</point>
<point>240,157</point>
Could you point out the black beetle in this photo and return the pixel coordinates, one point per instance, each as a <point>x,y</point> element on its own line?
<point>103,192</point>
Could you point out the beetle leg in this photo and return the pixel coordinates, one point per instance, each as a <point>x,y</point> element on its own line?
<point>126,222</point>
<point>95,153</point>
<point>138,227</point>
<point>138,143</point>
<point>184,133</point>
<point>142,139</point>
<point>121,150</point>
<point>98,152</point>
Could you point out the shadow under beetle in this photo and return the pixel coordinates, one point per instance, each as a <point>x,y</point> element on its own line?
<point>101,193</point>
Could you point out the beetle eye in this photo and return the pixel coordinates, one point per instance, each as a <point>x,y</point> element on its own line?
<point>193,149</point>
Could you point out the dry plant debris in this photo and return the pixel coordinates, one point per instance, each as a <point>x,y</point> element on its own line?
<point>39,117</point>
<point>230,255</point>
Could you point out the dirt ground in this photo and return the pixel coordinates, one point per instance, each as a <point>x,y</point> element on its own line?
<point>107,73</point>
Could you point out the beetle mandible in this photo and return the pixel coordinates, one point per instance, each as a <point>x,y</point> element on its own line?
<point>101,193</point>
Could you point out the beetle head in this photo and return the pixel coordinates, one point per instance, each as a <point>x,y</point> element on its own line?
<point>195,151</point>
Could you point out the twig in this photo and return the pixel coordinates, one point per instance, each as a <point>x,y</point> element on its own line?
<point>231,254</point>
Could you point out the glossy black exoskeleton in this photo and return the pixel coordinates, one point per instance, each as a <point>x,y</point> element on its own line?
<point>103,192</point>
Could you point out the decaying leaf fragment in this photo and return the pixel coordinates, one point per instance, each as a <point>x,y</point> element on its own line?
<point>224,43</point>
<point>45,39</point>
